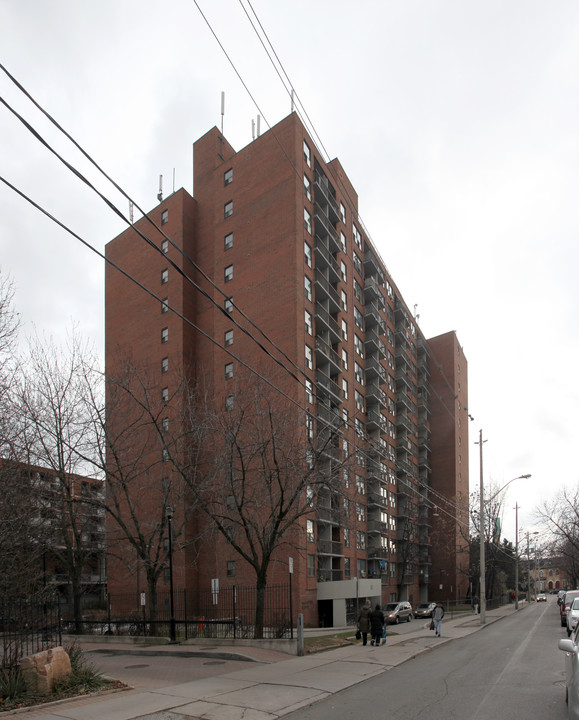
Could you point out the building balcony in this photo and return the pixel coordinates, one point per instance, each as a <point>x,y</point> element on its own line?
<point>402,356</point>
<point>404,423</point>
<point>401,313</point>
<point>374,369</point>
<point>324,197</point>
<point>325,229</point>
<point>325,291</point>
<point>326,261</point>
<point>372,265</point>
<point>377,500</point>
<point>373,344</point>
<point>324,321</point>
<point>375,420</point>
<point>326,386</point>
<point>328,516</point>
<point>329,547</point>
<point>376,526</point>
<point>373,317</point>
<point>372,289</point>
<point>403,467</point>
<point>375,395</point>
<point>403,400</point>
<point>377,470</point>
<point>325,354</point>
<point>330,575</point>
<point>404,381</point>
<point>377,552</point>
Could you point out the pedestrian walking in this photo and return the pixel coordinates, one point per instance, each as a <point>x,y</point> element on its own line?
<point>364,621</point>
<point>475,603</point>
<point>376,625</point>
<point>437,616</point>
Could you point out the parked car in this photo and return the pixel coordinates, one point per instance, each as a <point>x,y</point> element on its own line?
<point>424,610</point>
<point>568,598</point>
<point>541,597</point>
<point>396,612</point>
<point>570,646</point>
<point>572,616</point>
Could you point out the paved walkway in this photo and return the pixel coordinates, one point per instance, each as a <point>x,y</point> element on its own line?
<point>272,684</point>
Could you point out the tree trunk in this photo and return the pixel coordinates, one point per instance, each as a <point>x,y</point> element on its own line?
<point>260,605</point>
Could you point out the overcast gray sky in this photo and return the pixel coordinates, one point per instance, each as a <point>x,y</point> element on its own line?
<point>457,122</point>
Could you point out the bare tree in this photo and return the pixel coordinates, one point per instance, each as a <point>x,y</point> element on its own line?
<point>561,516</point>
<point>256,468</point>
<point>131,441</point>
<point>52,434</point>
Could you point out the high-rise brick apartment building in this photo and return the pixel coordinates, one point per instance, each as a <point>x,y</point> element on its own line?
<point>277,229</point>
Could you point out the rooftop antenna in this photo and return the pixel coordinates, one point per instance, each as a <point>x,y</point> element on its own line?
<point>222,109</point>
<point>173,179</point>
<point>252,129</point>
<point>258,125</point>
<point>160,193</point>
<point>293,106</point>
<point>131,211</point>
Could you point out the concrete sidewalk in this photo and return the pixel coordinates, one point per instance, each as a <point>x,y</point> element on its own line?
<point>272,685</point>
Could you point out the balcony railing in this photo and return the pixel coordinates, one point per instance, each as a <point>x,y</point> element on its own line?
<point>328,354</point>
<point>324,317</point>
<point>325,384</point>
<point>325,259</point>
<point>325,291</point>
<point>324,228</point>
<point>329,547</point>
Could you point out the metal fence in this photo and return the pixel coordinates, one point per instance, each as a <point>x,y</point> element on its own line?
<point>226,613</point>
<point>27,627</point>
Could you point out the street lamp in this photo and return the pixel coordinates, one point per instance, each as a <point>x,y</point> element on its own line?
<point>483,602</point>
<point>173,635</point>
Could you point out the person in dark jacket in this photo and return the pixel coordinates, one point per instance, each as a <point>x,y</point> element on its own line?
<point>376,625</point>
<point>437,616</point>
<point>364,621</point>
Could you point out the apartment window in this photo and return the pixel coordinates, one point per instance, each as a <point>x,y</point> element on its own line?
<point>228,338</point>
<point>389,290</point>
<point>165,424</point>
<point>360,512</point>
<point>308,323</point>
<point>345,416</point>
<point>309,357</point>
<point>390,336</point>
<point>310,427</point>
<point>391,429</point>
<point>307,188</point>
<point>358,346</point>
<point>165,246</point>
<point>358,292</point>
<point>357,264</point>
<point>164,217</point>
<point>228,177</point>
<point>307,221</point>
<point>310,530</point>
<point>359,373</point>
<point>228,209</point>
<point>392,523</point>
<point>358,318</point>
<point>361,541</point>
<point>345,474</point>
<point>164,276</point>
<point>228,273</point>
<point>392,499</point>
<point>165,305</point>
<point>343,271</point>
<point>345,389</point>
<point>308,254</point>
<point>359,400</point>
<point>343,241</point>
<point>165,335</point>
<point>344,300</point>
<point>360,459</point>
<point>231,568</point>
<point>229,403</point>
<point>343,212</point>
<point>391,453</point>
<point>391,406</point>
<point>357,236</point>
<point>228,304</point>
<point>344,330</point>
<point>391,383</point>
<point>165,394</point>
<point>391,363</point>
<point>307,155</point>
<point>392,545</point>
<point>308,287</point>
<point>346,537</point>
<point>228,241</point>
<point>347,569</point>
<point>359,425</point>
<point>228,371</point>
<point>311,566</point>
<point>344,359</point>
<point>346,507</point>
<point>165,365</point>
<point>309,391</point>
<point>165,455</point>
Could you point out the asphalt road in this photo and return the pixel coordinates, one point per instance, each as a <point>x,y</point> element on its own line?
<point>510,670</point>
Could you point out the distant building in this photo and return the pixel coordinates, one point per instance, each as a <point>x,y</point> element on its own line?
<point>278,230</point>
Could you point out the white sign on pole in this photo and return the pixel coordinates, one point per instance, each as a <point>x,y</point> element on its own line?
<point>142,599</point>
<point>291,565</point>
<point>215,589</point>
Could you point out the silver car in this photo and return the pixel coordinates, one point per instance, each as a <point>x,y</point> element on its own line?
<point>572,616</point>
<point>570,647</point>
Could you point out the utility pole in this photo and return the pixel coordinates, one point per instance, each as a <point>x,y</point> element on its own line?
<point>516,556</point>
<point>482,578</point>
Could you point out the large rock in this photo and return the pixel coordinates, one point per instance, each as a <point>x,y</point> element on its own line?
<point>43,669</point>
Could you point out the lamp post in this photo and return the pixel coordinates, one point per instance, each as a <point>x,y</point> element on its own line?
<point>483,602</point>
<point>172,631</point>
<point>516,556</point>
